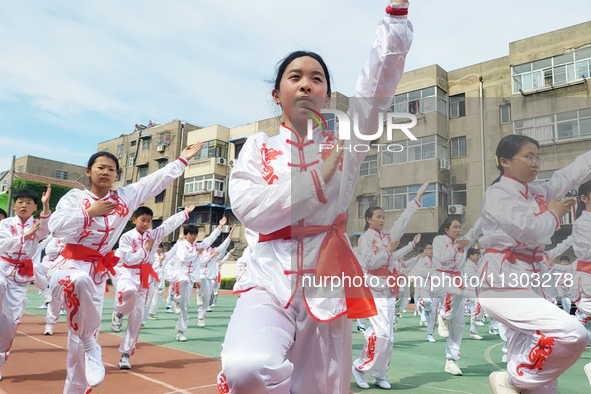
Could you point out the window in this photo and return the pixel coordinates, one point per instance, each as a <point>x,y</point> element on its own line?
<point>369,165</point>
<point>458,147</point>
<point>163,138</point>
<point>237,149</point>
<point>457,105</point>
<point>131,159</point>
<point>133,143</point>
<point>120,150</point>
<point>204,182</point>
<point>20,169</point>
<point>549,72</point>
<point>61,174</point>
<point>397,198</point>
<point>459,195</point>
<point>366,202</point>
<point>213,148</point>
<point>146,143</point>
<point>162,163</point>
<point>160,197</point>
<point>422,101</point>
<point>505,112</point>
<point>106,150</point>
<point>4,185</point>
<point>424,148</point>
<point>129,182</point>
<point>556,127</point>
<point>143,171</point>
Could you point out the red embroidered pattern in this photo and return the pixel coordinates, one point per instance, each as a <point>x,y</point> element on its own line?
<point>222,385</point>
<point>86,203</point>
<point>371,350</point>
<point>121,208</point>
<point>374,246</point>
<point>71,299</point>
<point>12,230</point>
<point>326,152</point>
<point>447,304</point>
<point>268,170</point>
<point>538,354</point>
<point>541,203</point>
<point>120,298</point>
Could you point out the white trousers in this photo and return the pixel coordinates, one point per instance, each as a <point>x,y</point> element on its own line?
<point>183,297</point>
<point>131,300</point>
<point>285,351</point>
<point>13,296</point>
<point>543,341</point>
<point>452,310</point>
<point>154,302</point>
<point>206,290</point>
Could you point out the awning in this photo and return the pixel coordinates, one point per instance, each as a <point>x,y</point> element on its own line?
<point>357,233</point>
<point>161,158</point>
<point>145,136</point>
<point>144,164</point>
<point>238,140</point>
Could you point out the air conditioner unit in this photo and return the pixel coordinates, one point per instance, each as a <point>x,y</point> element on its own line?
<point>455,209</point>
<point>218,193</point>
<point>160,148</point>
<point>221,161</point>
<point>231,162</point>
<point>444,165</point>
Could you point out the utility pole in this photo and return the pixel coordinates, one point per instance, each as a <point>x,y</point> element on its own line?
<point>9,202</point>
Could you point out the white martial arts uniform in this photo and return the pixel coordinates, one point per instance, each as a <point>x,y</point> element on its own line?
<point>476,313</point>
<point>581,284</point>
<point>448,263</point>
<point>53,250</point>
<point>79,274</point>
<point>156,288</point>
<point>543,340</point>
<point>209,275</point>
<point>135,273</point>
<point>424,299</point>
<point>382,278</point>
<point>16,272</point>
<point>186,272</point>
<point>275,184</point>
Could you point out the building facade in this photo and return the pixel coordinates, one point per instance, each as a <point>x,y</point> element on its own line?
<point>51,169</point>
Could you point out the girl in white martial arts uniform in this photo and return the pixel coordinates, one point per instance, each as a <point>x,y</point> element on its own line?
<point>425,301</point>
<point>476,313</point>
<point>294,191</point>
<point>53,250</point>
<point>377,250</point>
<point>90,222</point>
<point>518,220</point>
<point>582,248</point>
<point>449,258</point>
<point>19,236</point>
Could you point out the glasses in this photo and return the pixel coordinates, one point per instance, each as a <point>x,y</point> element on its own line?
<point>532,161</point>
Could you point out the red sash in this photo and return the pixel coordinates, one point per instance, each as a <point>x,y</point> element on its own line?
<point>335,258</point>
<point>80,252</point>
<point>511,256</point>
<point>584,266</point>
<point>146,270</point>
<point>25,267</point>
<point>383,271</point>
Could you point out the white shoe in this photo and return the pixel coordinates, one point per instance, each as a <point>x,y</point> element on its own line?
<point>423,323</point>
<point>46,296</point>
<point>44,306</point>
<point>201,323</point>
<point>360,379</point>
<point>199,299</point>
<point>381,383</point>
<point>498,383</point>
<point>152,317</point>
<point>396,327</point>
<point>475,336</point>
<point>478,323</point>
<point>124,362</point>
<point>177,308</point>
<point>492,331</point>
<point>48,329</point>
<point>442,327</point>
<point>169,310</point>
<point>180,336</point>
<point>94,368</point>
<point>62,312</point>
<point>504,358</point>
<point>211,305</point>
<point>431,339</point>
<point>452,368</point>
<point>208,310</point>
<point>116,321</point>
<point>415,313</point>
<point>404,311</point>
<point>587,369</point>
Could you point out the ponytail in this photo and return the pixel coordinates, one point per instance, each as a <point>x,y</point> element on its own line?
<point>584,190</point>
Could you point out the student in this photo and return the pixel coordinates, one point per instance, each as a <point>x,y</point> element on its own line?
<point>53,250</point>
<point>563,268</point>
<point>449,258</point>
<point>89,222</point>
<point>582,248</point>
<point>378,251</point>
<point>518,220</point>
<point>295,195</point>
<point>3,214</point>
<point>425,301</point>
<point>157,287</point>
<point>135,272</point>
<point>19,236</point>
<point>471,273</point>
<point>186,271</point>
<point>216,289</point>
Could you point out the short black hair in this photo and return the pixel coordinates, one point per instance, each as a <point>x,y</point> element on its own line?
<point>565,258</point>
<point>103,154</point>
<point>26,193</point>
<point>143,210</point>
<point>191,229</point>
<point>472,252</point>
<point>3,212</point>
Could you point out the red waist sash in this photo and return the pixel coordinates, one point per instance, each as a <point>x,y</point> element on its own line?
<point>25,267</point>
<point>80,252</point>
<point>146,270</point>
<point>511,256</point>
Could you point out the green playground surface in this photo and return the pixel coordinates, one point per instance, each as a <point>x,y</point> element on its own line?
<point>416,365</point>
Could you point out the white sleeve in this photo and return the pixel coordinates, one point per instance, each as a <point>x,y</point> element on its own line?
<point>206,243</point>
<point>399,227</point>
<point>400,253</point>
<point>8,241</point>
<point>222,248</point>
<point>567,178</point>
<point>581,239</point>
<point>560,248</point>
<point>442,253</point>
<point>126,252</point>
<point>372,258</point>
<point>69,217</point>
<point>169,225</point>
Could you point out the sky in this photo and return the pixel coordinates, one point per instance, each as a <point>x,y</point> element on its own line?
<point>76,73</point>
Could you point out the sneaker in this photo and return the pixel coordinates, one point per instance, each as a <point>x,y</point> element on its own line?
<point>492,331</point>
<point>116,321</point>
<point>62,312</point>
<point>44,306</point>
<point>431,339</point>
<point>360,379</point>
<point>396,327</point>
<point>442,327</point>
<point>404,311</point>
<point>398,313</point>
<point>142,326</point>
<point>168,310</point>
<point>360,329</point>
<point>177,308</point>
<point>199,299</point>
<point>180,336</point>
<point>208,310</point>
<point>201,323</point>
<point>212,305</point>
<point>46,296</point>
<point>478,323</point>
<point>94,368</point>
<point>587,369</point>
<point>415,313</point>
<point>423,323</point>
<point>452,368</point>
<point>124,362</point>
<point>381,383</point>
<point>48,329</point>
<point>475,336</point>
<point>500,385</point>
<point>152,317</point>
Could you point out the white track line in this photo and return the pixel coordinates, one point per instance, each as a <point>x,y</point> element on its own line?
<point>168,386</point>
<point>193,388</point>
<point>487,356</point>
<point>435,388</point>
